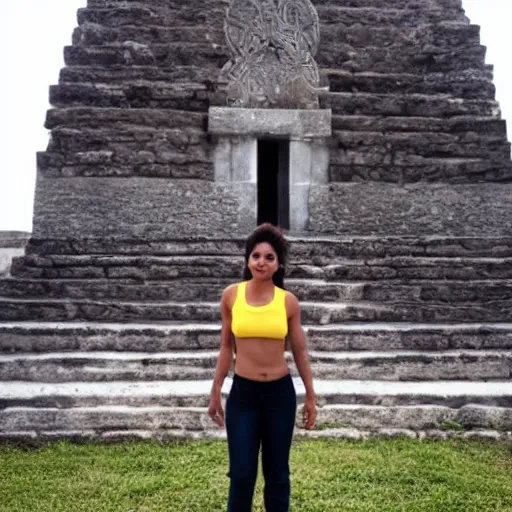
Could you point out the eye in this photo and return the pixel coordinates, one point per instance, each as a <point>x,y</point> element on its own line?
<point>270,257</point>
<point>255,255</point>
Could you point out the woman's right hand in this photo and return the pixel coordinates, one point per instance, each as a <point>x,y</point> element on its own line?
<point>215,410</point>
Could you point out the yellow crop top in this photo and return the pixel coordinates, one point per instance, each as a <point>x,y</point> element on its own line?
<point>267,321</point>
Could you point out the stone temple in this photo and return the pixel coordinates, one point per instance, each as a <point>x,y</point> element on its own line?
<point>368,130</point>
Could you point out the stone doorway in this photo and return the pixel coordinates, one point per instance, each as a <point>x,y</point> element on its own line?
<point>273,182</point>
<point>292,142</point>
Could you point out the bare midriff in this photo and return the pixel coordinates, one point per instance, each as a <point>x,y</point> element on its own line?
<point>260,359</point>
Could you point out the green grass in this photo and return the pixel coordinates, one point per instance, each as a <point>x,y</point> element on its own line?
<point>333,475</point>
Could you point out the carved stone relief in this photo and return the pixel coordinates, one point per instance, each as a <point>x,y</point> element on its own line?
<point>273,43</point>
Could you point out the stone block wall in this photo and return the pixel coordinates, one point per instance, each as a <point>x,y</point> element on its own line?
<point>416,130</point>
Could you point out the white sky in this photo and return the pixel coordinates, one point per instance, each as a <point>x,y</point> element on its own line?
<point>32,36</point>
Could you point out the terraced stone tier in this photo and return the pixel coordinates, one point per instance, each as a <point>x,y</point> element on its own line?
<point>114,418</point>
<point>316,250</point>
<point>165,410</point>
<point>210,289</point>
<point>209,56</point>
<point>378,166</point>
<point>185,365</point>
<point>450,394</point>
<point>433,39</point>
<point>416,105</point>
<point>391,4</point>
<point>410,148</point>
<point>91,117</point>
<point>33,337</point>
<point>467,84</point>
<point>214,54</point>
<point>155,152</point>
<point>144,268</point>
<point>454,125</point>
<point>470,84</point>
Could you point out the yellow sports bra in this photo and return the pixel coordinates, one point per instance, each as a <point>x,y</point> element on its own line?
<point>267,321</point>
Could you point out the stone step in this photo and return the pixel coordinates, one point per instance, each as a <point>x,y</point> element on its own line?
<point>155,418</point>
<point>200,364</point>
<point>315,250</point>
<point>145,268</point>
<point>210,289</point>
<point>316,313</point>
<point>117,311</point>
<point>416,105</point>
<point>195,393</point>
<point>34,337</point>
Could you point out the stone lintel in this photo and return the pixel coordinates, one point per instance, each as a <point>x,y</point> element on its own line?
<point>293,124</point>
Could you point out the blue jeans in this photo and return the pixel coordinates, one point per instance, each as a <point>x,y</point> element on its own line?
<point>260,413</point>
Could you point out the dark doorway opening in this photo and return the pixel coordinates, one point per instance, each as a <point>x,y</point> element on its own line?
<point>274,182</point>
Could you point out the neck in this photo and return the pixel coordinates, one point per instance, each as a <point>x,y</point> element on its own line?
<point>261,286</point>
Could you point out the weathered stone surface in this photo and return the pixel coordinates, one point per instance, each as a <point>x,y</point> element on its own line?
<point>361,417</point>
<point>133,54</point>
<point>93,34</point>
<point>175,14</point>
<point>128,151</point>
<point>380,209</point>
<point>307,250</point>
<point>134,206</point>
<point>417,105</point>
<point>79,117</point>
<point>349,147</point>
<point>413,104</point>
<point>293,123</point>
<point>450,170</point>
<point>84,337</point>
<point>384,60</point>
<point>316,313</point>
<point>140,95</point>
<point>392,366</point>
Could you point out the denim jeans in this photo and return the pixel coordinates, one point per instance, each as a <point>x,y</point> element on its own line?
<point>260,413</point>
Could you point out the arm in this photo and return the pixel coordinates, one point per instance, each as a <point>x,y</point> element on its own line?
<point>301,357</point>
<point>225,359</point>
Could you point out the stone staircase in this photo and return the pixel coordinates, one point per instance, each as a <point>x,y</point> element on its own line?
<point>109,323</point>
<point>406,337</point>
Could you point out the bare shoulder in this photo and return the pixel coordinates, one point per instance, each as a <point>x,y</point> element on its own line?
<point>229,295</point>
<point>292,303</point>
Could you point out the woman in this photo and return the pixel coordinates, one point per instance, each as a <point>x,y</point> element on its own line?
<point>257,315</point>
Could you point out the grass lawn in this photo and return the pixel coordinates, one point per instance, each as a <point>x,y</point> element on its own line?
<point>328,475</point>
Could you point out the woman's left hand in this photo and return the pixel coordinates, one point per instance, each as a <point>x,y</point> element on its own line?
<point>309,411</point>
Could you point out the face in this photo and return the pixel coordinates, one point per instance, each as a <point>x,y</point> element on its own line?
<point>263,262</point>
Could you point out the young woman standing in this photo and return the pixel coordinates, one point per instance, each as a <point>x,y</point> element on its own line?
<point>257,315</point>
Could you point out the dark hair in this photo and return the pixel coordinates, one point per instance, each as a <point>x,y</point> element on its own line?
<point>272,235</point>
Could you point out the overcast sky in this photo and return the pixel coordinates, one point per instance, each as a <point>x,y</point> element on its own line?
<point>32,36</point>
